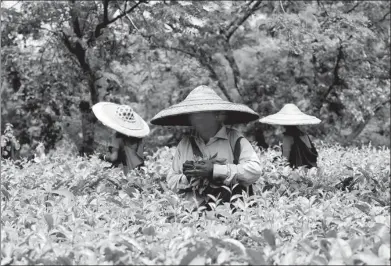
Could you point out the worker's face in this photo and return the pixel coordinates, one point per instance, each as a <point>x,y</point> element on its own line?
<point>204,121</point>
<point>289,128</point>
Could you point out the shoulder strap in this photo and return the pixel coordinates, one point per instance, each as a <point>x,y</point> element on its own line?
<point>312,146</point>
<point>237,150</point>
<point>194,146</point>
<point>234,141</point>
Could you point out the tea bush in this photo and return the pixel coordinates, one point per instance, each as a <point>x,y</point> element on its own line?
<point>71,210</point>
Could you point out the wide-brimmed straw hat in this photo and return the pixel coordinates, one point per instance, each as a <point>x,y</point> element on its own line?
<point>290,115</point>
<point>121,118</point>
<point>203,99</point>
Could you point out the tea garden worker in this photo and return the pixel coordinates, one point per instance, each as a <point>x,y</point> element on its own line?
<point>130,129</point>
<point>297,147</point>
<point>213,154</point>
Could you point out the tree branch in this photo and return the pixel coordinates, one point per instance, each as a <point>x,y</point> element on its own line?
<point>75,20</point>
<point>213,75</point>
<point>78,51</point>
<point>105,11</point>
<point>67,42</point>
<point>337,80</point>
<point>381,105</point>
<point>384,17</point>
<point>203,58</point>
<point>104,24</point>
<point>127,16</point>
<point>353,8</point>
<point>241,18</point>
<point>239,11</point>
<point>235,70</point>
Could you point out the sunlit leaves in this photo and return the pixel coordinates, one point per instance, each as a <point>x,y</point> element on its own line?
<point>306,225</point>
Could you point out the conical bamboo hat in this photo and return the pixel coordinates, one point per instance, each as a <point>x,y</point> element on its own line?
<point>290,115</point>
<point>203,99</point>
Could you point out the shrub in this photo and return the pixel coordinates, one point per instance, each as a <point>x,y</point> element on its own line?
<point>69,210</point>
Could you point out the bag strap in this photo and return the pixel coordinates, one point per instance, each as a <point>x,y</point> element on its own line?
<point>194,146</point>
<point>237,150</point>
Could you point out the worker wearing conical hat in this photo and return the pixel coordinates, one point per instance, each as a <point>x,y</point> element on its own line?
<point>297,147</point>
<point>212,155</point>
<point>130,129</point>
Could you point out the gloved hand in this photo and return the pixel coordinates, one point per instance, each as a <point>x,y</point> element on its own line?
<point>101,156</point>
<point>202,169</point>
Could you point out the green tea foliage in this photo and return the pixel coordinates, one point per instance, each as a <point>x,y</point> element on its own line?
<point>70,210</point>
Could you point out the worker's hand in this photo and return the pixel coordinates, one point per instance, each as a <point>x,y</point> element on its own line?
<point>187,165</point>
<point>101,156</point>
<point>202,169</point>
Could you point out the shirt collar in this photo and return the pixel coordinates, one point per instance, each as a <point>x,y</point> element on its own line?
<point>221,134</point>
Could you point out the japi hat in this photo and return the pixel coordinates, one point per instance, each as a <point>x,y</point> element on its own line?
<point>290,115</point>
<point>203,99</point>
<point>121,118</point>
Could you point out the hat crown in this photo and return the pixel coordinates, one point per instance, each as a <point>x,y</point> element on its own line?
<point>290,109</point>
<point>203,93</point>
<point>125,113</point>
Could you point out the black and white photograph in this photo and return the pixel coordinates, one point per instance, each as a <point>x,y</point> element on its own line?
<point>153,132</point>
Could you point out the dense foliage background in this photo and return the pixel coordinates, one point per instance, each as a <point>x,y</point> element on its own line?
<point>331,58</point>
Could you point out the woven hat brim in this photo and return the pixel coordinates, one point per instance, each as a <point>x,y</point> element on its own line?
<point>290,120</point>
<point>105,112</point>
<point>178,115</point>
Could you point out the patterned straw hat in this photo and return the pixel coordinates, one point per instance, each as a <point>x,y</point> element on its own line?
<point>290,115</point>
<point>121,118</point>
<point>203,99</point>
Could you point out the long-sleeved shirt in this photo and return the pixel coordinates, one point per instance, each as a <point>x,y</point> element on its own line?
<point>246,172</point>
<point>130,152</point>
<point>288,142</point>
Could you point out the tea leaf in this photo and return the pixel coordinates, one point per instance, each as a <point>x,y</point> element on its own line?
<point>6,194</point>
<point>49,220</point>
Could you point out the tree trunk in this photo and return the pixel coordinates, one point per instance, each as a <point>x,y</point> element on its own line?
<point>88,121</point>
<point>94,94</point>
<point>213,75</point>
<point>238,81</point>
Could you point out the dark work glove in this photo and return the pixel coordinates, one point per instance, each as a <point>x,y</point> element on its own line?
<point>101,157</point>
<point>203,169</point>
<point>187,166</point>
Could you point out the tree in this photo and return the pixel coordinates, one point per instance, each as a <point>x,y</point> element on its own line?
<point>310,53</point>
<point>201,30</point>
<point>83,29</point>
<point>329,58</point>
<point>34,91</point>
<point>337,49</point>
